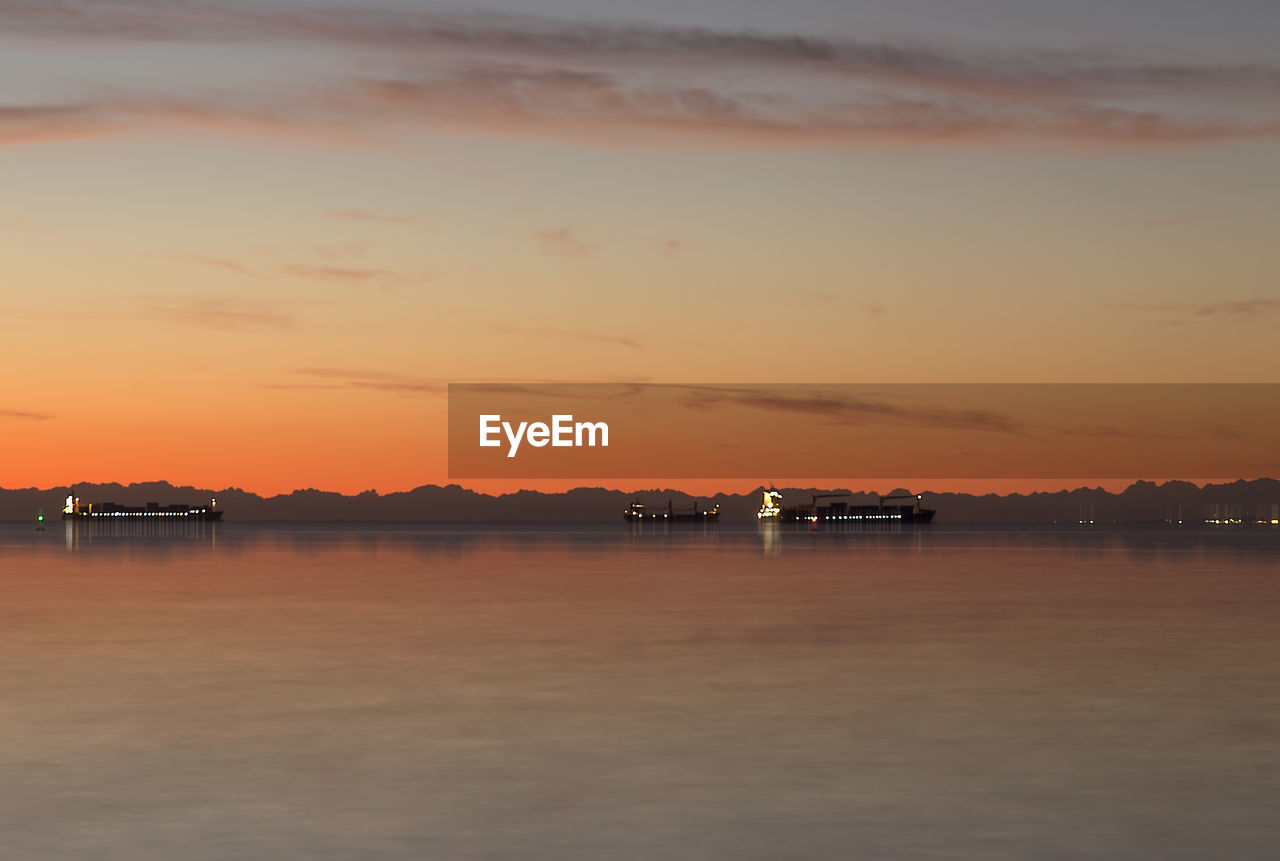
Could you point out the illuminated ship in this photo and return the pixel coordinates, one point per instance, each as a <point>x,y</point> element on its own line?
<point>772,509</point>
<point>636,513</point>
<point>74,509</point>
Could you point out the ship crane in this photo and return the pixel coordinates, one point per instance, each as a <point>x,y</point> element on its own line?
<point>916,496</point>
<point>813,505</point>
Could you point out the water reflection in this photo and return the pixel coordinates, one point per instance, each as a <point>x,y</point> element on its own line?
<point>1148,545</point>
<point>770,541</point>
<point>308,691</point>
<point>80,535</point>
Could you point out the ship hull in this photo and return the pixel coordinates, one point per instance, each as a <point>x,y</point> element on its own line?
<point>660,517</point>
<point>167,516</point>
<point>695,518</point>
<point>860,514</point>
<point>638,513</point>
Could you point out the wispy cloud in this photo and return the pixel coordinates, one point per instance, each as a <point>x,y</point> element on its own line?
<point>228,315</point>
<point>366,380</point>
<point>851,409</point>
<point>561,242</point>
<point>363,379</point>
<point>23,415</point>
<point>408,33</point>
<point>344,250</point>
<point>45,123</point>
<point>366,215</point>
<point>122,112</point>
<point>637,85</point>
<point>1243,307</point>
<point>1112,432</point>
<point>328,271</point>
<point>350,276</point>
<point>1239,308</point>
<point>224,264</point>
<point>597,107</point>
<point>608,113</point>
<point>572,334</point>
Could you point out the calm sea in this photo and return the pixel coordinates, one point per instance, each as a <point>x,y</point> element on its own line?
<point>318,692</point>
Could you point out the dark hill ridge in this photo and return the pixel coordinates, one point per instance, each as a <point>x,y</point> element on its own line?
<point>1142,501</point>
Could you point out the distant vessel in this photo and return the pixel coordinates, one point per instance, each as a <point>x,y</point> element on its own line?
<point>773,509</point>
<point>74,509</point>
<point>637,512</point>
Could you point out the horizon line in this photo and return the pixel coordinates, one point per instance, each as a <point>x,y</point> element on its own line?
<point>1198,483</point>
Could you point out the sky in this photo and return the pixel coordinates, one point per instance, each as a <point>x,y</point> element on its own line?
<point>250,244</point>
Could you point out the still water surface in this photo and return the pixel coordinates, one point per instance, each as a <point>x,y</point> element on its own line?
<point>552,692</point>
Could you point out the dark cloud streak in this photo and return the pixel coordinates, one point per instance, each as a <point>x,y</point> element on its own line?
<point>851,410</point>
<point>472,33</point>
<point>219,314</point>
<point>637,85</point>
<point>377,381</point>
<point>1239,308</point>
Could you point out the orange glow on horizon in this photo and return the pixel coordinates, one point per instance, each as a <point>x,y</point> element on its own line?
<point>261,268</point>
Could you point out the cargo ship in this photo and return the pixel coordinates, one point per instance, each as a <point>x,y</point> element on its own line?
<point>773,509</point>
<point>637,512</point>
<point>74,509</point>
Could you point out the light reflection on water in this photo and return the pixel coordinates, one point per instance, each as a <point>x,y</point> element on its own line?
<point>228,691</point>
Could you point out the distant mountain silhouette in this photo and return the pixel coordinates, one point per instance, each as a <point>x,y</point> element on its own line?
<point>1142,501</point>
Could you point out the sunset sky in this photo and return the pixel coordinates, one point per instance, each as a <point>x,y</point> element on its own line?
<point>250,243</point>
